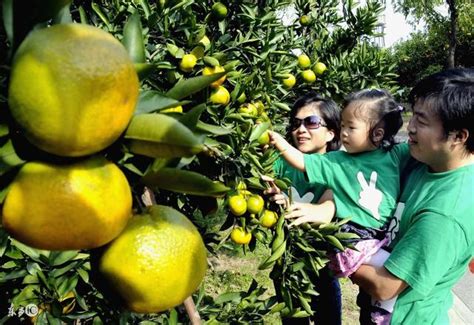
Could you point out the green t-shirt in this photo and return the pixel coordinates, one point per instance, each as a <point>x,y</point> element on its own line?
<point>434,242</point>
<point>366,186</point>
<point>301,190</point>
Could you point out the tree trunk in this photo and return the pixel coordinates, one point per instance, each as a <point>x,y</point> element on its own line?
<point>453,13</point>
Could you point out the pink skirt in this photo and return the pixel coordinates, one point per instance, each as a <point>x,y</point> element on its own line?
<point>343,264</point>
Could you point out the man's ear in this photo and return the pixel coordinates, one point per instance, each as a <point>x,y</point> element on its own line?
<point>377,135</point>
<point>460,136</point>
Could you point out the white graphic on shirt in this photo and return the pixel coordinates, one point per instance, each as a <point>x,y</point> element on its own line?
<point>394,224</point>
<point>295,196</point>
<point>370,197</point>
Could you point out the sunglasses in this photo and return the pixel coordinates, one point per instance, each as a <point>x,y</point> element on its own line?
<point>309,122</point>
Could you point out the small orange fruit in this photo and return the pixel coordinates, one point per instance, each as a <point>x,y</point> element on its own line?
<point>220,96</point>
<point>211,70</point>
<point>237,205</point>
<point>319,68</point>
<point>255,204</point>
<point>240,236</point>
<point>308,76</point>
<point>188,62</point>
<point>269,218</point>
<point>289,81</point>
<point>304,61</point>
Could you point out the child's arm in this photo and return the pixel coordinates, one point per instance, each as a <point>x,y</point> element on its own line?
<point>292,155</point>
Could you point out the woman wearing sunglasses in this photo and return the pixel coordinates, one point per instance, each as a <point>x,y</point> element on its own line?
<point>314,128</point>
<point>365,179</point>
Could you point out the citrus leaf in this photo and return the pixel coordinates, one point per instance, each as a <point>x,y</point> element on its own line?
<point>161,136</point>
<point>133,39</point>
<point>33,253</point>
<point>8,157</point>
<point>191,118</point>
<point>67,285</point>
<point>60,257</point>
<point>228,296</point>
<point>258,131</point>
<point>150,101</point>
<point>184,181</point>
<point>210,61</point>
<point>186,87</point>
<point>144,70</point>
<point>213,129</point>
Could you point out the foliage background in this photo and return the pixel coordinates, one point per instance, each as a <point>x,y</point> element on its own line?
<point>257,49</point>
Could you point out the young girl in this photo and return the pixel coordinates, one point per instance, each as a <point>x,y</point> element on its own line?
<point>365,178</point>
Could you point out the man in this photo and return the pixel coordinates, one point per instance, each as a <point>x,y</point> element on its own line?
<point>433,236</point>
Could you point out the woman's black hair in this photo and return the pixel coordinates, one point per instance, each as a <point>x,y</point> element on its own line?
<point>384,112</point>
<point>450,94</point>
<point>330,113</point>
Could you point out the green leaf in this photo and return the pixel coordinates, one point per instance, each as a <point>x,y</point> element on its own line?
<point>29,251</point>
<point>60,257</point>
<point>13,275</point>
<point>213,129</point>
<point>172,49</point>
<point>68,285</point>
<point>8,157</point>
<point>258,131</point>
<point>183,181</point>
<point>186,87</point>
<point>133,38</point>
<point>191,118</point>
<point>228,296</point>
<point>210,61</point>
<point>161,136</point>
<point>7,11</point>
<point>151,101</point>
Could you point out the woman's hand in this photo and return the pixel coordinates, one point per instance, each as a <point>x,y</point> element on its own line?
<point>275,193</point>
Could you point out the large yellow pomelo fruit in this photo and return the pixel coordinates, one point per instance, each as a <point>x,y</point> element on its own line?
<point>63,207</point>
<point>157,261</point>
<point>73,89</point>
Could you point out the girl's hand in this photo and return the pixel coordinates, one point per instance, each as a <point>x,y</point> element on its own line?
<point>309,212</point>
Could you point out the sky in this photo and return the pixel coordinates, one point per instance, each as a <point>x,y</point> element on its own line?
<point>396,27</point>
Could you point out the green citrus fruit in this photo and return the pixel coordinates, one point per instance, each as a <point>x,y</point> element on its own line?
<point>264,139</point>
<point>289,81</point>
<point>260,106</point>
<point>319,68</point>
<point>220,96</point>
<point>73,89</point>
<point>303,61</point>
<point>268,218</point>
<point>255,204</point>
<point>240,236</point>
<point>237,205</point>
<point>188,62</point>
<point>305,20</point>
<point>248,109</point>
<point>157,261</point>
<point>219,10</point>
<point>63,207</point>
<point>308,76</point>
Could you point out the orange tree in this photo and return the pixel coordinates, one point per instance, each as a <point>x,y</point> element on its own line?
<point>214,76</point>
